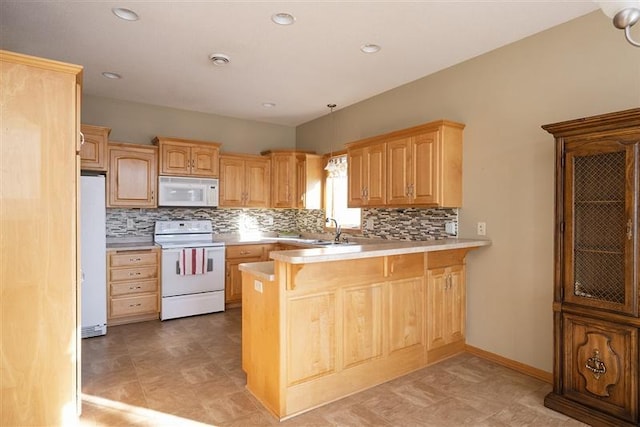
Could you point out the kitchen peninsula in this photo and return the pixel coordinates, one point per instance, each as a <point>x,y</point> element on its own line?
<point>321,324</point>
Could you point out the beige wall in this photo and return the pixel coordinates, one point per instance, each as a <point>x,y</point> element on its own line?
<point>140,123</point>
<point>581,68</point>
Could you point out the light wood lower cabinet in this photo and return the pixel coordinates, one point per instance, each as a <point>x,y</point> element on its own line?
<point>321,331</point>
<point>234,256</point>
<point>133,286</point>
<point>446,302</point>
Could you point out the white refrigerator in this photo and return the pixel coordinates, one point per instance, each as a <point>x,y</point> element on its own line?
<point>93,246</point>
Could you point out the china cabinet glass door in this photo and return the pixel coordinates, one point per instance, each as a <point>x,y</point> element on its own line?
<point>600,192</point>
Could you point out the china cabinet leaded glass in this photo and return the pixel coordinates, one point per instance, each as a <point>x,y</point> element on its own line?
<point>596,269</point>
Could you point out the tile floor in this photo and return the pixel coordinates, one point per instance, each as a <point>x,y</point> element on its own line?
<point>187,372</point>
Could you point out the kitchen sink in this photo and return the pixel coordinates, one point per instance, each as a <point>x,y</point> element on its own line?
<point>330,243</point>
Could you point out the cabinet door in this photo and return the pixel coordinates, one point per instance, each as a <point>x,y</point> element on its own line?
<point>356,177</point>
<point>398,170</point>
<point>232,184</point>
<point>233,282</point>
<point>257,179</point>
<point>600,193</point>
<point>132,178</point>
<point>301,181</point>
<point>93,152</point>
<point>424,168</point>
<point>283,180</point>
<point>376,182</point>
<point>204,161</point>
<point>445,306</point>
<point>601,365</point>
<point>175,159</point>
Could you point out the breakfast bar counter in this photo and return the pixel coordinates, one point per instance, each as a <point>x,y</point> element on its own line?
<point>321,324</point>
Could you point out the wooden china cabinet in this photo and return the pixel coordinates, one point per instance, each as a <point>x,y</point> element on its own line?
<point>596,315</point>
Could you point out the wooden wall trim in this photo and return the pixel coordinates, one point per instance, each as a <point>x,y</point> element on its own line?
<point>511,364</point>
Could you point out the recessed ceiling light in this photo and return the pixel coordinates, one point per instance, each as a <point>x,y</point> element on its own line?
<point>370,48</point>
<point>268,104</point>
<point>283,18</point>
<point>110,75</point>
<point>126,14</point>
<point>219,58</point>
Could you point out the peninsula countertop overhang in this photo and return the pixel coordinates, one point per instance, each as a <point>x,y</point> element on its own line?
<point>346,252</point>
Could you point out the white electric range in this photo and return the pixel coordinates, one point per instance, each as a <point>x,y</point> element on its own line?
<point>192,268</point>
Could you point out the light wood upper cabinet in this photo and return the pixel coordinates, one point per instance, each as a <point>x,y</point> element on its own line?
<point>296,179</point>
<point>183,157</point>
<point>93,152</point>
<point>39,283</point>
<point>132,176</point>
<point>244,181</point>
<point>422,167</point>
<point>367,175</point>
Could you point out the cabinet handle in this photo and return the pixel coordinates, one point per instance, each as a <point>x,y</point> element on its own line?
<point>134,259</point>
<point>135,287</point>
<point>152,195</point>
<point>595,365</point>
<point>629,230</point>
<point>135,305</point>
<point>81,139</point>
<point>137,273</point>
<point>245,252</point>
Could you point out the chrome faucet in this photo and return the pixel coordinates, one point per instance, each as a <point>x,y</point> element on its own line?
<point>338,229</point>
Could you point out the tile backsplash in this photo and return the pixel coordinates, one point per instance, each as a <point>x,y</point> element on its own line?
<point>388,223</point>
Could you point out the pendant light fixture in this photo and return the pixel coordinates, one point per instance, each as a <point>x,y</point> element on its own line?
<point>334,165</point>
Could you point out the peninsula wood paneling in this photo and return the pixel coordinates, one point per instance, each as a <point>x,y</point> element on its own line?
<point>406,316</point>
<point>363,324</point>
<point>312,337</point>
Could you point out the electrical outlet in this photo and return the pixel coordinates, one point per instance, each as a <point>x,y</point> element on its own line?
<point>482,229</point>
<point>130,224</point>
<point>369,224</point>
<point>257,285</point>
<point>451,228</point>
<point>268,220</point>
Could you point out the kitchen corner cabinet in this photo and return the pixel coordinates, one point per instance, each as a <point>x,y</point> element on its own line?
<point>596,316</point>
<point>446,302</point>
<point>244,181</point>
<point>133,293</point>
<point>422,167</point>
<point>93,152</point>
<point>234,256</point>
<point>184,157</point>
<point>39,277</point>
<point>132,176</point>
<point>367,175</point>
<point>296,179</point>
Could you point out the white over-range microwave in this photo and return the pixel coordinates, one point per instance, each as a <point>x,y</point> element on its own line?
<point>180,191</point>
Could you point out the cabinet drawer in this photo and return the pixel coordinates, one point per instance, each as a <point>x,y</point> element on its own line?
<point>132,259</point>
<point>134,287</point>
<point>245,251</point>
<point>129,306</point>
<point>137,273</point>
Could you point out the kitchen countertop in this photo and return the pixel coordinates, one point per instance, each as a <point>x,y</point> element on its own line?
<point>342,253</point>
<point>130,244</point>
<point>263,270</point>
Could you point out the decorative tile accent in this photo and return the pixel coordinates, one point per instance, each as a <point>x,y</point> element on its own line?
<point>393,224</point>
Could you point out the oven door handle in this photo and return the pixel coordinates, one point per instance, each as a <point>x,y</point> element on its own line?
<point>209,266</point>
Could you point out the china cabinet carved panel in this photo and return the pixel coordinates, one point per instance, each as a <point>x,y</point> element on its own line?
<point>596,269</point>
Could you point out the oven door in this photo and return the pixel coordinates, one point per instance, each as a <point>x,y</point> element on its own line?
<point>173,283</point>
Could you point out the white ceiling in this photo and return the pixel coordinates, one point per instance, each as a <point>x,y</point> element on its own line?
<point>163,57</point>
